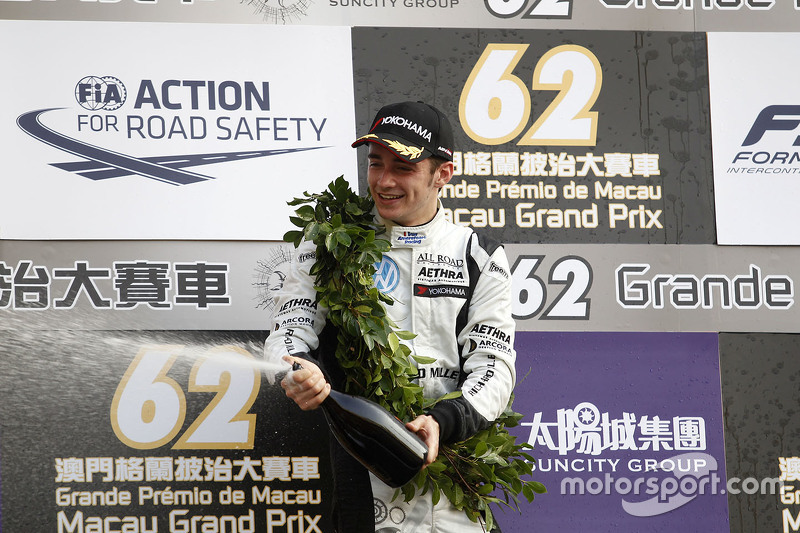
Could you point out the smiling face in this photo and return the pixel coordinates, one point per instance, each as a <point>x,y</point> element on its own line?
<point>405,193</point>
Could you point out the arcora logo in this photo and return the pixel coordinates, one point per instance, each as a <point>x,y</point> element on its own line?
<point>100,93</point>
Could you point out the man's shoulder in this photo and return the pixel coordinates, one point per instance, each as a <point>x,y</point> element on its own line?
<point>488,244</point>
<point>479,246</point>
<point>488,256</point>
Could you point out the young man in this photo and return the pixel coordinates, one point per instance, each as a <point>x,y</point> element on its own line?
<point>450,287</point>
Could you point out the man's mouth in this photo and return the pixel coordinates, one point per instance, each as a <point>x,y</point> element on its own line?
<point>390,196</point>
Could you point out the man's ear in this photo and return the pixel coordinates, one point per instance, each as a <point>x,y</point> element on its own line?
<point>445,173</point>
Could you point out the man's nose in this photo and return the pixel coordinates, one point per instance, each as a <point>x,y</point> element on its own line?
<point>386,178</point>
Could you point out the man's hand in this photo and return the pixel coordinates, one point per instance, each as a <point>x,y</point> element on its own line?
<point>427,428</point>
<point>307,386</point>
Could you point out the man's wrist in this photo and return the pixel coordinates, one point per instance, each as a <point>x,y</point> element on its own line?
<point>445,418</point>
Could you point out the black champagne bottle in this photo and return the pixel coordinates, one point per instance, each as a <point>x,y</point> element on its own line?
<point>375,437</point>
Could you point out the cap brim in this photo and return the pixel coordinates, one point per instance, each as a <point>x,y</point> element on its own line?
<point>400,147</point>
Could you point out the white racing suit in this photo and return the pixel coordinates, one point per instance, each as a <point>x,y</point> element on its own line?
<point>452,289</point>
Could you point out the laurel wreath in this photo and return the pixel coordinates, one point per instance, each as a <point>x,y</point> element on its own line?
<point>402,149</point>
<point>482,470</point>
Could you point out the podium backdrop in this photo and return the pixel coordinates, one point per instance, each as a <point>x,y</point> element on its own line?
<point>638,158</point>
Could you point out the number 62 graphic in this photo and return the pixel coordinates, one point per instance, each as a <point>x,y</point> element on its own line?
<point>495,105</point>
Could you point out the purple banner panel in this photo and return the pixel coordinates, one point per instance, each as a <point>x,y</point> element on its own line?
<point>627,432</point>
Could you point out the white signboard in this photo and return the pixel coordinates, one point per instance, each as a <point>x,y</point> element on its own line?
<point>654,15</point>
<point>169,131</point>
<point>755,118</point>
<point>555,287</point>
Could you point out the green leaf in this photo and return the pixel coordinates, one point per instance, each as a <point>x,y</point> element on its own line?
<point>394,343</point>
<point>404,335</point>
<point>529,493</point>
<point>330,242</point>
<point>458,496</point>
<point>489,521</point>
<point>311,231</point>
<point>293,237</point>
<point>408,492</point>
<point>485,489</point>
<point>437,494</point>
<point>481,449</point>
<point>436,467</point>
<point>306,213</point>
<point>369,341</point>
<point>343,238</point>
<point>379,366</point>
<point>353,209</point>
<point>297,221</point>
<point>451,395</point>
<point>319,212</point>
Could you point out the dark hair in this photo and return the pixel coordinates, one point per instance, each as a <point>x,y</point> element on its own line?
<point>436,162</point>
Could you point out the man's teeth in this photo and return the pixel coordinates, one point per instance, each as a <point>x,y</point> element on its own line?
<point>389,196</point>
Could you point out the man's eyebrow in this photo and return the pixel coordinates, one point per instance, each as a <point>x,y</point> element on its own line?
<point>378,157</point>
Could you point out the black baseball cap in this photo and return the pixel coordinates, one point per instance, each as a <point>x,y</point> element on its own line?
<point>413,131</point>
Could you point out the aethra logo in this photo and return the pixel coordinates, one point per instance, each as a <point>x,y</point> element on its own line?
<point>386,276</point>
<point>100,93</point>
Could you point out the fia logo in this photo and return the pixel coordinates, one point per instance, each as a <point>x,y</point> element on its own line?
<point>387,275</point>
<point>97,93</point>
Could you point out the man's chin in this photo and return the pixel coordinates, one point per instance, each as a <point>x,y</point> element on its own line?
<point>386,212</point>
